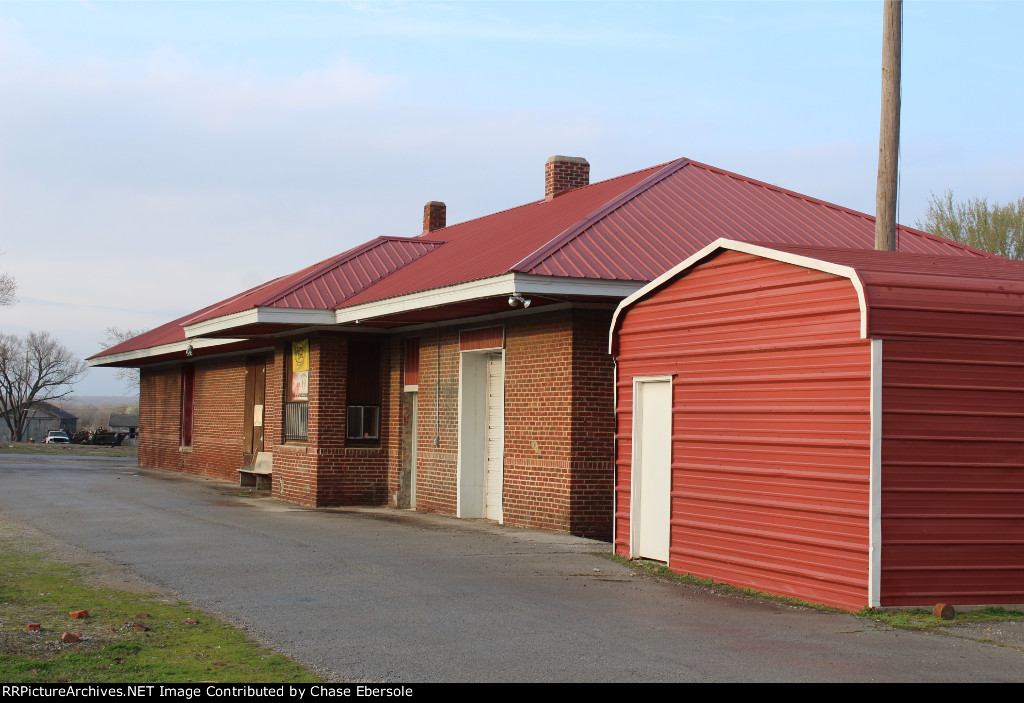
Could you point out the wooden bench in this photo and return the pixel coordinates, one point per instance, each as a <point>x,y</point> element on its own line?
<point>260,474</point>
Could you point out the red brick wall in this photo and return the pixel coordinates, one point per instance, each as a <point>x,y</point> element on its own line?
<point>325,470</point>
<point>437,420</point>
<point>216,449</point>
<point>593,426</point>
<point>559,422</point>
<point>538,421</point>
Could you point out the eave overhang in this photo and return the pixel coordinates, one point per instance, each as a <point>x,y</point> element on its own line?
<point>175,351</point>
<point>254,327</point>
<point>268,319</point>
<point>431,305</point>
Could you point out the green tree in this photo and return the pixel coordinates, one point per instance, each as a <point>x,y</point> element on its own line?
<point>976,222</point>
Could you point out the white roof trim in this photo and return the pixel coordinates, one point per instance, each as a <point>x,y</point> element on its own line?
<point>755,250</point>
<point>496,286</point>
<point>280,316</point>
<point>160,350</point>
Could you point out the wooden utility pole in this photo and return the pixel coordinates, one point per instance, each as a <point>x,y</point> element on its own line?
<point>889,134</point>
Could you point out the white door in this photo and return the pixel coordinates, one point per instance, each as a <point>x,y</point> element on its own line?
<point>495,437</point>
<point>652,468</point>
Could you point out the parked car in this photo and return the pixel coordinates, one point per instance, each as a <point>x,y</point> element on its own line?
<point>57,437</point>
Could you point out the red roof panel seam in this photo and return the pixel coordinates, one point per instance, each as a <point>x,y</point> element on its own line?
<point>615,203</point>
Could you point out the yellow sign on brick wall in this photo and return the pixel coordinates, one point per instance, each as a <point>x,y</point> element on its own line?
<point>300,355</point>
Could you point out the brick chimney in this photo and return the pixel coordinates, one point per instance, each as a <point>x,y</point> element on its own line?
<point>564,173</point>
<point>434,216</point>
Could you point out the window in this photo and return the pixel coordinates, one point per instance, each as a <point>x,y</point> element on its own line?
<point>296,407</point>
<point>188,392</point>
<point>363,422</point>
<point>363,390</point>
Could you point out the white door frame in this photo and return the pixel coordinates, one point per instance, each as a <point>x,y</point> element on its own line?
<point>471,471</point>
<point>634,488</point>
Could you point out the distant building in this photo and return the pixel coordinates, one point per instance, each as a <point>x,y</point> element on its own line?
<point>126,423</point>
<point>43,417</point>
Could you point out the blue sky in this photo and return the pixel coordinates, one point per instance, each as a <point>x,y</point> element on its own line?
<point>156,157</point>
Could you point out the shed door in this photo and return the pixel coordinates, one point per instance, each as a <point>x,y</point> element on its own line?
<point>495,436</point>
<point>652,469</point>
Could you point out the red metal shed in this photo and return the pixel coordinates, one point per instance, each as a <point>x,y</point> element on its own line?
<point>841,426</point>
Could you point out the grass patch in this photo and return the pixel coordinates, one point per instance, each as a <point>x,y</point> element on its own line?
<point>65,449</point>
<point>911,619</point>
<point>920,619</point>
<point>655,568</point>
<point>35,589</point>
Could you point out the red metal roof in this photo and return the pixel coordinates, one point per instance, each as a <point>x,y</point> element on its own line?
<point>636,227</point>
<point>630,228</point>
<point>910,295</point>
<point>328,284</point>
<point>920,295</point>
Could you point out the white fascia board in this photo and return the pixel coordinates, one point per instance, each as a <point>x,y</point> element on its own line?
<point>496,286</point>
<point>259,316</point>
<point>139,354</point>
<point>755,250</point>
<point>462,292</point>
<point>557,286</point>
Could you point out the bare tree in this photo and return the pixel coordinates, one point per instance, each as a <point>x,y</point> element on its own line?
<point>8,290</point>
<point>113,337</point>
<point>33,369</point>
<point>977,223</point>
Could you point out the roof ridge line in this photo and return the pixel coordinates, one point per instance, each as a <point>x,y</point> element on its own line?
<point>338,304</point>
<point>323,266</point>
<point>340,259</point>
<point>540,201</point>
<point>314,269</point>
<point>186,319</point>
<point>553,245</point>
<point>834,206</point>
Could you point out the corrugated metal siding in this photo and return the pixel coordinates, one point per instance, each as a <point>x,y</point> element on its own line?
<point>953,469</point>
<point>771,426</point>
<point>484,338</point>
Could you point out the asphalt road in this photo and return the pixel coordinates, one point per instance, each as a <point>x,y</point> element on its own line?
<point>385,595</point>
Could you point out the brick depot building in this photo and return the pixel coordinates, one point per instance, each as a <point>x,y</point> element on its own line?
<point>464,370</point>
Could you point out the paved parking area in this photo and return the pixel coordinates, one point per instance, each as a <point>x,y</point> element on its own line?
<point>386,595</point>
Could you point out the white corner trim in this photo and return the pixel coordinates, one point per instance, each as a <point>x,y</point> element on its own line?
<point>755,250</point>
<point>160,350</point>
<point>875,479</point>
<point>281,316</point>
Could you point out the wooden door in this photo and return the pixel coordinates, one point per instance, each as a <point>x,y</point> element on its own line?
<point>255,394</point>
